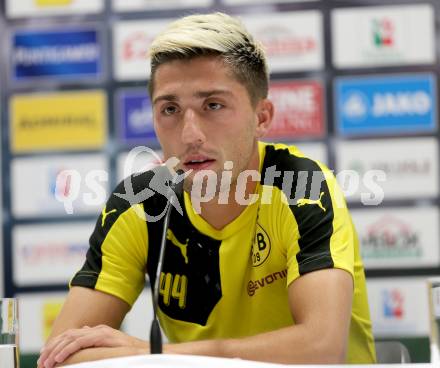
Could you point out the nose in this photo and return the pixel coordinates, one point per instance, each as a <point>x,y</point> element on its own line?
<point>192,133</point>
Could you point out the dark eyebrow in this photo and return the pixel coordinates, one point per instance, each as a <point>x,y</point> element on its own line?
<point>200,94</point>
<point>204,94</point>
<point>165,98</point>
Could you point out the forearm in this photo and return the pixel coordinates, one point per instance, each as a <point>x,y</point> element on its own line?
<point>292,345</point>
<point>297,344</point>
<point>92,354</point>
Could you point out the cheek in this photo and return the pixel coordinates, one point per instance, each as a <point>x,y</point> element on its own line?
<point>239,132</point>
<point>241,147</point>
<point>165,135</point>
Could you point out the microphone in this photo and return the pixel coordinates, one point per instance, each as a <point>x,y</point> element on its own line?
<point>175,188</point>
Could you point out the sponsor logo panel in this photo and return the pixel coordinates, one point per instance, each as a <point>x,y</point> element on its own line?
<point>58,121</point>
<point>299,109</point>
<point>49,254</point>
<point>41,187</point>
<point>410,167</point>
<point>144,161</point>
<point>386,105</point>
<point>131,40</point>
<point>292,40</point>
<point>399,307</point>
<point>240,2</point>
<point>56,53</point>
<point>37,314</point>
<point>135,117</point>
<point>385,35</point>
<point>35,8</point>
<point>398,238</point>
<point>133,5</point>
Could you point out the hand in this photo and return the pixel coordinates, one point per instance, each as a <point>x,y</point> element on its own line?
<point>58,349</point>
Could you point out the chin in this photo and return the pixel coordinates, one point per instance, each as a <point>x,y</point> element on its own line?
<point>199,187</point>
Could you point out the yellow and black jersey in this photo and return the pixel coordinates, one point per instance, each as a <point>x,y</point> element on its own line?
<point>233,282</point>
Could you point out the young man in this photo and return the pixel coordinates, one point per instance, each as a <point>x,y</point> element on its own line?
<point>267,269</point>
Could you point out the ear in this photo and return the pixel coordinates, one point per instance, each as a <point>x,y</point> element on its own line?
<point>265,111</point>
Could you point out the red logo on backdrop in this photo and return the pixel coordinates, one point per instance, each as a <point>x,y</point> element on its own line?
<point>135,46</point>
<point>298,109</point>
<point>279,41</point>
<point>383,32</point>
<point>393,304</point>
<point>391,232</point>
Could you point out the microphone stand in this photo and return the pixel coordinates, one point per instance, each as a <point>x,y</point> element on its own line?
<point>155,332</point>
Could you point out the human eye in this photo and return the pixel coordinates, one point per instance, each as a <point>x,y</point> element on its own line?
<point>169,110</point>
<point>214,106</point>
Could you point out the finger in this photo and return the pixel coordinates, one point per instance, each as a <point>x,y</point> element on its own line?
<point>39,364</point>
<point>47,350</point>
<point>65,339</point>
<point>50,362</point>
<point>52,343</point>
<point>68,350</point>
<point>74,340</point>
<point>80,341</point>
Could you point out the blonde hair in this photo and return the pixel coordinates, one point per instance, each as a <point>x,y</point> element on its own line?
<point>214,34</point>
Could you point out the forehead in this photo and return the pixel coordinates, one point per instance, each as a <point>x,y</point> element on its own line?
<point>199,62</point>
<point>205,72</point>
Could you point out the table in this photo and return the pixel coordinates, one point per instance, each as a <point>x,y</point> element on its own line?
<point>192,361</point>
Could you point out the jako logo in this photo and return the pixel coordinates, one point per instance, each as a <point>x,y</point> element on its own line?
<point>356,106</point>
<point>387,104</point>
<point>401,103</point>
<point>392,304</point>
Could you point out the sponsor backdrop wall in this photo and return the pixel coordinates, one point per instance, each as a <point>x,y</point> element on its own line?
<point>355,84</point>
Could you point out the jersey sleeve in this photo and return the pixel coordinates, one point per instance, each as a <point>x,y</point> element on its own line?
<point>319,232</point>
<point>116,259</point>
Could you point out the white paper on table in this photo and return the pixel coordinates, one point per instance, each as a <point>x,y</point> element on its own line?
<point>192,361</point>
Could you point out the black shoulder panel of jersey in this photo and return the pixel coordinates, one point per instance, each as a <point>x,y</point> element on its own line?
<point>191,286</point>
<point>119,202</point>
<point>304,185</point>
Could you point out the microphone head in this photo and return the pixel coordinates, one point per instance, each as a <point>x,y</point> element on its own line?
<point>165,182</point>
<point>178,181</point>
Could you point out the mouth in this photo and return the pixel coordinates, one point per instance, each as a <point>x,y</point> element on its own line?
<point>198,163</point>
